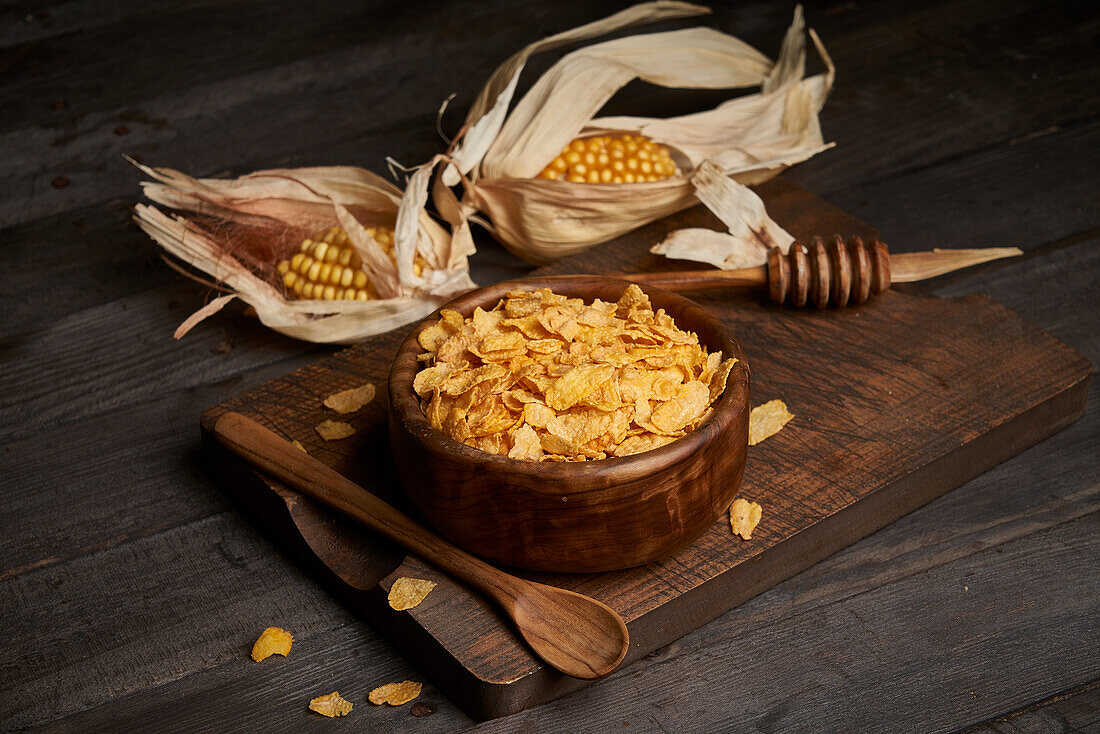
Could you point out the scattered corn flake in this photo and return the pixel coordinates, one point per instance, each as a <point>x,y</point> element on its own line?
<point>407,593</point>
<point>744,517</point>
<point>298,445</point>
<point>334,430</point>
<point>767,420</point>
<point>544,377</point>
<point>349,401</point>
<point>395,694</point>
<point>331,705</point>
<point>272,641</point>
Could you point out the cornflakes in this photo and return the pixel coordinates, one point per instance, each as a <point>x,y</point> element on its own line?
<point>349,401</point>
<point>407,593</point>
<point>334,430</point>
<point>298,445</point>
<point>544,377</point>
<point>767,420</point>
<point>331,705</point>
<point>744,517</point>
<point>272,641</point>
<point>395,694</point>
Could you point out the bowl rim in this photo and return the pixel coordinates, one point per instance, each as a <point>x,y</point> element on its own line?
<point>404,403</point>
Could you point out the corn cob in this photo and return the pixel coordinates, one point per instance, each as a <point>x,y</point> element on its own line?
<point>327,267</point>
<point>611,159</point>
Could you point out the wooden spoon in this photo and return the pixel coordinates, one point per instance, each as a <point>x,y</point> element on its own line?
<point>576,634</point>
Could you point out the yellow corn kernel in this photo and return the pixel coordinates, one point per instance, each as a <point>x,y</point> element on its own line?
<point>328,267</point>
<point>417,269</point>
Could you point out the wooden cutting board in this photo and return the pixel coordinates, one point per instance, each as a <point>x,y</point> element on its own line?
<point>895,403</point>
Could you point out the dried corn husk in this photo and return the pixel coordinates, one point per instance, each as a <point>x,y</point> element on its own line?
<point>751,231</point>
<point>751,138</point>
<point>288,204</point>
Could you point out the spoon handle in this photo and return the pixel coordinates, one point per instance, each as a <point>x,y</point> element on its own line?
<point>269,452</point>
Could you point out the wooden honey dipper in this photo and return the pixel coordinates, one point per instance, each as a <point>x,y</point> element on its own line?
<point>835,272</point>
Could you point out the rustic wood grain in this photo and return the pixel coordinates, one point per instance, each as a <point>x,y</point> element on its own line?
<point>1017,500</point>
<point>1073,711</point>
<point>885,430</point>
<point>958,124</point>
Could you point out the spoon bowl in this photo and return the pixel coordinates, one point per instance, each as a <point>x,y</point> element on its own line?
<point>576,634</point>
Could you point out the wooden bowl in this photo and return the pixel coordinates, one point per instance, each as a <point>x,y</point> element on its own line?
<point>573,517</point>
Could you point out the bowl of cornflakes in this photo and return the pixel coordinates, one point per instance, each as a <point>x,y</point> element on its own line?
<point>570,423</point>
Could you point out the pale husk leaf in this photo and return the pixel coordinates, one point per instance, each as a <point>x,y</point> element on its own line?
<point>907,267</point>
<point>487,114</point>
<point>751,138</point>
<point>751,231</point>
<point>312,199</point>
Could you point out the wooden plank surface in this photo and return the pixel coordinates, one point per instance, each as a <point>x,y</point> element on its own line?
<point>896,403</point>
<point>951,116</point>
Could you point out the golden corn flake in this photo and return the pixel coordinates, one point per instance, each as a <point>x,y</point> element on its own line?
<point>744,517</point>
<point>544,377</point>
<point>767,420</point>
<point>272,641</point>
<point>395,694</point>
<point>298,445</point>
<point>334,430</point>
<point>331,705</point>
<point>349,401</point>
<point>407,593</point>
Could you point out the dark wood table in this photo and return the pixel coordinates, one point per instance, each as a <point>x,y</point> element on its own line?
<point>130,587</point>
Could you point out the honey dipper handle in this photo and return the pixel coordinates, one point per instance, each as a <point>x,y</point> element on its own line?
<point>282,460</point>
<point>691,280</point>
